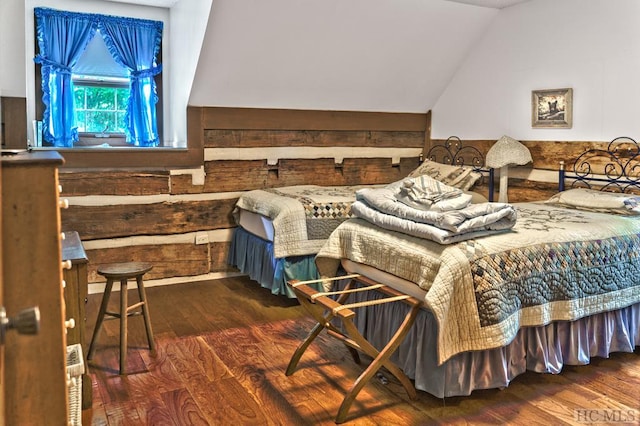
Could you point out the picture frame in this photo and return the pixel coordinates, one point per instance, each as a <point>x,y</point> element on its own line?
<point>552,108</point>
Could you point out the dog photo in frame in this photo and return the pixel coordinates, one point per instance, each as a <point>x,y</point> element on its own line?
<point>552,108</point>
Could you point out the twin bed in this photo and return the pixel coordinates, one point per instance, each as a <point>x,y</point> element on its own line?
<point>560,286</point>
<point>280,230</point>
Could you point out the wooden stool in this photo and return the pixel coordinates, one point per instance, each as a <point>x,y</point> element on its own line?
<point>123,272</point>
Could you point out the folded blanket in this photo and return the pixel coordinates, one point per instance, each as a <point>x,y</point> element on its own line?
<point>426,208</point>
<point>449,227</point>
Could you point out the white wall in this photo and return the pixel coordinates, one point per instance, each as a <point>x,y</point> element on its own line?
<point>363,55</point>
<point>188,24</point>
<point>12,73</point>
<point>591,46</point>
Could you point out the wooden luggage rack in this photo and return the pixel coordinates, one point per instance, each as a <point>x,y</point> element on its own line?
<point>324,309</point>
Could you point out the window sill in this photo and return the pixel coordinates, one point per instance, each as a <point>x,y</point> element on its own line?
<point>126,157</point>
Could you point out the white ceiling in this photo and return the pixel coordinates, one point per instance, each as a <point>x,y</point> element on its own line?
<point>156,3</point>
<point>496,4</point>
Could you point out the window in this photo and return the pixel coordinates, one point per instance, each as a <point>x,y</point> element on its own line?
<point>98,81</point>
<point>100,106</point>
<point>100,96</point>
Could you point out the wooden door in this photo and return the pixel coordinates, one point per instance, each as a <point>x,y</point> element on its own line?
<point>2,415</point>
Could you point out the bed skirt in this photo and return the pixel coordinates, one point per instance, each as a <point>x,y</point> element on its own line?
<point>544,349</point>
<point>254,256</point>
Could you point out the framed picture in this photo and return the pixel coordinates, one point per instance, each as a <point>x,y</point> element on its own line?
<point>552,108</point>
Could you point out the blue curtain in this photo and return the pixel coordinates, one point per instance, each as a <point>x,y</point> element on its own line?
<point>133,43</point>
<point>62,37</point>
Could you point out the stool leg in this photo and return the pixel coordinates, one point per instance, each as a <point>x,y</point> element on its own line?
<point>101,312</point>
<point>145,313</point>
<point>123,325</point>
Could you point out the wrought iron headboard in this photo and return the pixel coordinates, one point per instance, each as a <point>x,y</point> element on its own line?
<point>615,169</point>
<point>452,152</point>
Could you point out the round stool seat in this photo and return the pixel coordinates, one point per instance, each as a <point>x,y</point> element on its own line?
<point>124,270</point>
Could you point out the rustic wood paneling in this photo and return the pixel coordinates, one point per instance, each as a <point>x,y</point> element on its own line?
<point>547,155</point>
<point>370,171</point>
<point>13,122</point>
<point>297,138</point>
<point>223,176</point>
<point>521,190</point>
<point>219,254</point>
<point>183,184</point>
<point>243,175</point>
<point>111,221</point>
<point>287,119</point>
<point>169,260</point>
<point>114,183</point>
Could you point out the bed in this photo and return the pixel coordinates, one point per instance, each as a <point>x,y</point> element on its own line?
<point>558,288</point>
<point>280,230</point>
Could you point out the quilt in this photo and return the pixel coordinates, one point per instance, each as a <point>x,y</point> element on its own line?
<point>555,264</point>
<point>303,216</point>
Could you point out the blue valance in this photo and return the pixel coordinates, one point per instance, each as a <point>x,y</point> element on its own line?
<point>133,43</point>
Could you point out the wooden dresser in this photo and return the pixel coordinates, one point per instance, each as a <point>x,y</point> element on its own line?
<point>75,298</point>
<point>35,376</point>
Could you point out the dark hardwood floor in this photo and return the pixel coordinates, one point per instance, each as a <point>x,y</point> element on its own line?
<point>223,347</point>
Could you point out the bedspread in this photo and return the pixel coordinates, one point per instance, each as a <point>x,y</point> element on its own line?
<point>303,216</point>
<point>555,264</point>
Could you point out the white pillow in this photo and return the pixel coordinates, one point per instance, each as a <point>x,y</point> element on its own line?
<point>600,201</point>
<point>462,177</point>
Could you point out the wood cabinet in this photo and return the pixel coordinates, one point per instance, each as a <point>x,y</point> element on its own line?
<point>75,298</point>
<point>35,382</point>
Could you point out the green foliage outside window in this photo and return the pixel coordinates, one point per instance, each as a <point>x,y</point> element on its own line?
<point>100,109</point>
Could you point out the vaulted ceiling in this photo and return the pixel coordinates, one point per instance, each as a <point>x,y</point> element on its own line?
<point>496,4</point>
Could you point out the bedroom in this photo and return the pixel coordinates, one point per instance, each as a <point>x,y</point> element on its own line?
<point>257,99</point>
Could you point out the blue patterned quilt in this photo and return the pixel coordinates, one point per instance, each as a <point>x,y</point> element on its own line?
<point>555,264</point>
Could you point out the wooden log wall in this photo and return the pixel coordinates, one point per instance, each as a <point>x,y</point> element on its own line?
<point>154,216</point>
<point>13,122</point>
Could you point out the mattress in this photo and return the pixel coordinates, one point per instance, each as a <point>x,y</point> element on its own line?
<point>402,285</point>
<point>256,223</point>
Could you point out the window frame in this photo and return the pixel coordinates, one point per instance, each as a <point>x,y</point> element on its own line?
<point>90,138</point>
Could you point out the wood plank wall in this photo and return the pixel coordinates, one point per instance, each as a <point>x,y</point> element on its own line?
<point>155,215</point>
<point>13,122</point>
<point>124,215</point>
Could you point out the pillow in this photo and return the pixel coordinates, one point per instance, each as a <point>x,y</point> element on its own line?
<point>461,177</point>
<point>476,197</point>
<point>598,201</point>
